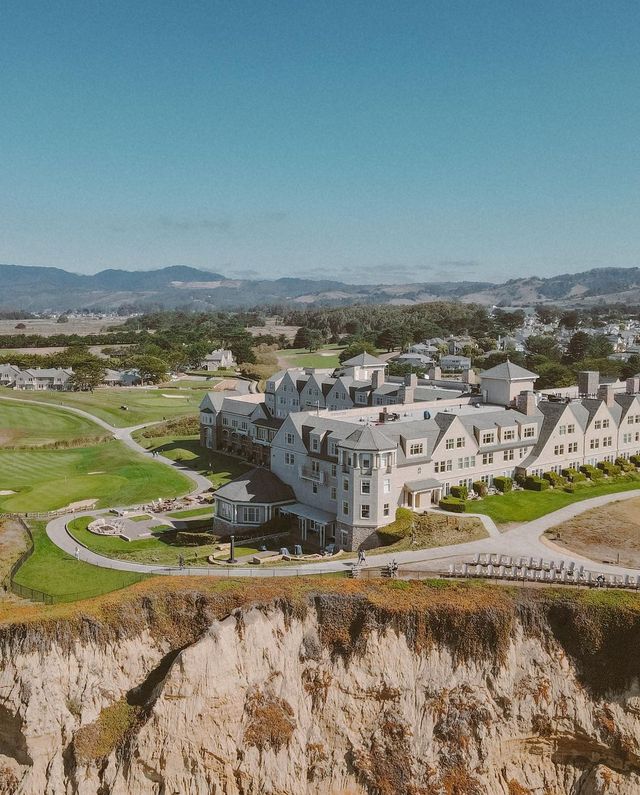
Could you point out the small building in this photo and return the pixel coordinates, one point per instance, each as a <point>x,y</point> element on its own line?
<point>453,362</point>
<point>220,359</point>
<point>8,374</point>
<point>250,500</point>
<point>39,379</point>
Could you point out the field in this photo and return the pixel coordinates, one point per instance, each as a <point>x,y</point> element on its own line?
<point>603,534</point>
<point>63,577</point>
<point>22,425</point>
<point>161,548</point>
<point>524,506</point>
<point>45,480</point>
<point>45,328</point>
<point>143,405</point>
<point>326,357</point>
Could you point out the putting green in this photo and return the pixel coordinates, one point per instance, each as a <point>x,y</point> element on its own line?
<point>45,480</point>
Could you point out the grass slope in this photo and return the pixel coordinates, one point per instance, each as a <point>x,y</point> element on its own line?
<point>524,506</point>
<point>45,480</point>
<point>325,357</point>
<point>143,405</point>
<point>60,575</point>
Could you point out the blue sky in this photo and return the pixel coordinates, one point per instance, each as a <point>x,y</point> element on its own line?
<point>365,141</point>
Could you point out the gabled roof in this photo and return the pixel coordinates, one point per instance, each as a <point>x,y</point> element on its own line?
<point>368,438</point>
<point>508,371</point>
<point>364,360</point>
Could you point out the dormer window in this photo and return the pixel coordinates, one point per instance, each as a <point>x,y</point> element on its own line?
<point>416,448</point>
<point>488,437</point>
<point>508,435</point>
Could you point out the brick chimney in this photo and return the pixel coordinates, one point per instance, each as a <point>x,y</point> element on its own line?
<point>633,385</point>
<point>377,378</point>
<point>606,393</point>
<point>408,391</point>
<point>588,381</point>
<point>526,402</point>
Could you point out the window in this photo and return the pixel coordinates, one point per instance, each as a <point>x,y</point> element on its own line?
<point>466,462</point>
<point>243,426</point>
<point>450,444</point>
<point>509,455</point>
<point>345,508</point>
<point>558,449</point>
<point>416,448</point>
<point>460,441</point>
<point>332,494</point>
<point>487,438</point>
<point>385,509</point>
<point>315,445</point>
<point>572,447</point>
<point>333,449</point>
<point>234,423</point>
<point>508,435</point>
<point>597,425</point>
<point>571,428</point>
<point>386,486</point>
<point>607,441</point>
<point>289,459</point>
<point>594,444</point>
<point>225,420</point>
<point>562,429</point>
<point>529,432</point>
<point>605,423</point>
<point>627,437</point>
<point>224,509</point>
<point>365,487</point>
<point>251,514</point>
<point>345,484</point>
<point>365,512</point>
<point>290,438</point>
<point>487,458</point>
<point>334,470</point>
<point>314,488</point>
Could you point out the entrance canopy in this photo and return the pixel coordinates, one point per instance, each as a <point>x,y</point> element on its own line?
<point>422,485</point>
<point>309,512</point>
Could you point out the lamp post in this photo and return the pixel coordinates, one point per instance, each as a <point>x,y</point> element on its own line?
<point>232,550</point>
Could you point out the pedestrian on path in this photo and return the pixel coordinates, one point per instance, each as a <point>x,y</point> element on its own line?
<point>361,557</point>
<point>77,553</point>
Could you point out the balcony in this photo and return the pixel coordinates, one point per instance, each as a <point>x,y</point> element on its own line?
<point>307,473</point>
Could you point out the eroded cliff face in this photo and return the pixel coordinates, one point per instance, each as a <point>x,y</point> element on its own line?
<point>339,696</point>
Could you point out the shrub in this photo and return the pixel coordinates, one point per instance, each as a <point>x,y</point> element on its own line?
<point>193,539</point>
<point>461,492</point>
<point>520,478</point>
<point>573,475</point>
<point>398,529</point>
<point>593,473</point>
<point>579,485</point>
<point>608,468</point>
<point>625,465</point>
<point>554,478</point>
<point>480,488</point>
<point>503,484</point>
<point>534,483</point>
<point>635,460</point>
<point>453,504</point>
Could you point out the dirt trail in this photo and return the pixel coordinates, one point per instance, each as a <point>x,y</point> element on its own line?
<point>13,542</point>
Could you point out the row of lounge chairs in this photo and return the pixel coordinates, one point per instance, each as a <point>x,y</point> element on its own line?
<point>541,572</point>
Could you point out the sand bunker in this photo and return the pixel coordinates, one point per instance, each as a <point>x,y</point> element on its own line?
<point>6,492</point>
<point>176,397</point>
<point>80,505</point>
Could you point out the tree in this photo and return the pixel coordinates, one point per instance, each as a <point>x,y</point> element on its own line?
<point>547,314</point>
<point>388,339</point>
<point>578,347</point>
<point>151,368</point>
<point>87,376</point>
<point>570,318</point>
<point>544,345</point>
<point>508,321</point>
<point>599,346</point>
<point>631,367</point>
<point>355,349</point>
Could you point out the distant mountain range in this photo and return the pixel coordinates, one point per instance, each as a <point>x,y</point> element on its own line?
<point>39,289</point>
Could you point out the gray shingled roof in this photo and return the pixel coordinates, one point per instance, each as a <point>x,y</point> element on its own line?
<point>364,360</point>
<point>507,370</point>
<point>368,438</point>
<point>256,486</point>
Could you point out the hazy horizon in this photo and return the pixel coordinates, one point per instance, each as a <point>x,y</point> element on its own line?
<point>396,143</point>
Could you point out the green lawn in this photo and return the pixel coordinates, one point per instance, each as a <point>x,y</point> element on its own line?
<point>22,425</point>
<point>524,506</point>
<point>190,513</point>
<point>45,480</point>
<point>143,405</point>
<point>162,547</point>
<point>60,575</point>
<point>218,468</point>
<point>325,357</point>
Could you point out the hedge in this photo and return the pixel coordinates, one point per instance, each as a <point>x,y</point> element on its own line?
<point>461,492</point>
<point>608,468</point>
<point>453,504</point>
<point>398,529</point>
<point>193,539</point>
<point>625,465</point>
<point>534,483</point>
<point>635,460</point>
<point>593,473</point>
<point>554,478</point>
<point>573,475</point>
<point>503,484</point>
<point>480,488</point>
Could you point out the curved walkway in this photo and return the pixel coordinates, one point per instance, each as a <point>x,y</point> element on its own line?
<point>524,541</point>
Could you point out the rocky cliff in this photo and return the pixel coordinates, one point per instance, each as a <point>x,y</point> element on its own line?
<point>380,688</point>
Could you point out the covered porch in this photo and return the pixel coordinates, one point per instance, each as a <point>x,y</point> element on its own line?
<point>315,525</point>
<point>422,493</point>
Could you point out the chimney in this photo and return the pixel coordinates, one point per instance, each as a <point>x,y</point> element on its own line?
<point>606,393</point>
<point>588,383</point>
<point>526,402</point>
<point>377,378</point>
<point>435,373</point>
<point>411,379</point>
<point>408,390</point>
<point>633,385</point>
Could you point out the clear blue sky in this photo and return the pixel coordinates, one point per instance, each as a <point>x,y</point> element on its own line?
<point>369,141</point>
